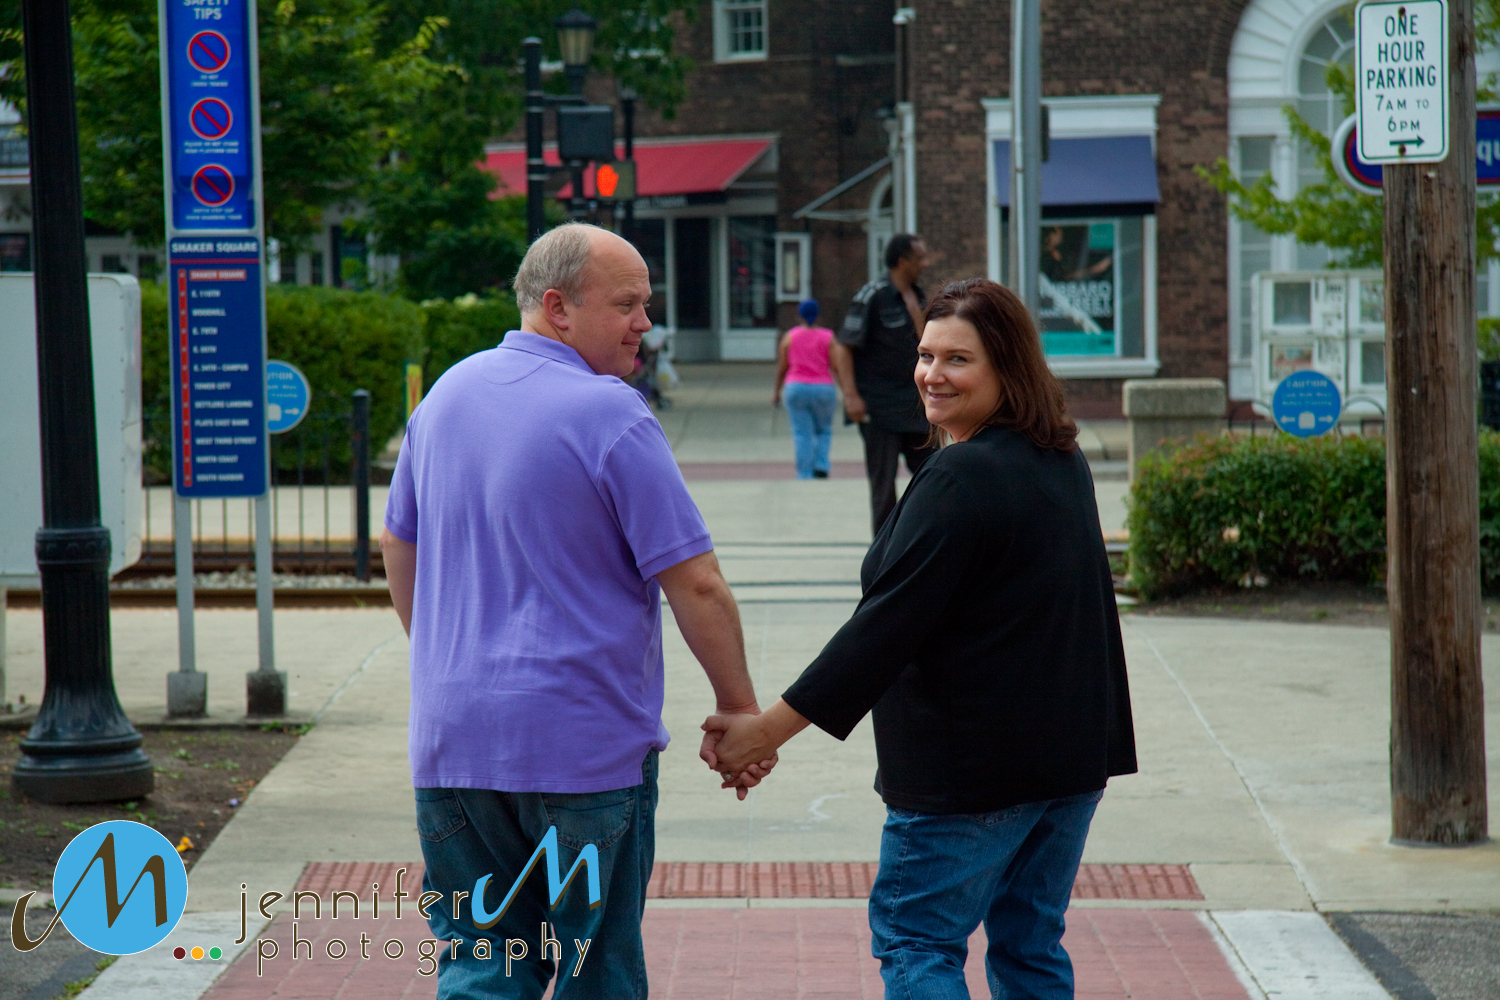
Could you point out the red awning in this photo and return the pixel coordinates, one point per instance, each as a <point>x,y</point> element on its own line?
<point>663,166</point>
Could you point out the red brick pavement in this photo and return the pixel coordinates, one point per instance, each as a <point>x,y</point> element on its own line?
<point>772,880</point>
<point>745,954</point>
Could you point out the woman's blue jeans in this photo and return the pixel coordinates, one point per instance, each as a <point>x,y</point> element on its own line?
<point>941,876</point>
<point>468,833</point>
<point>809,409</point>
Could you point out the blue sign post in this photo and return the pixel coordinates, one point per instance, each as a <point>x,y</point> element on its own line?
<point>1306,404</point>
<point>210,86</point>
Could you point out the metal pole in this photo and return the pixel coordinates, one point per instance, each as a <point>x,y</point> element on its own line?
<point>81,748</point>
<point>536,166</point>
<point>1432,485</point>
<point>1025,149</point>
<point>359,444</point>
<point>577,204</point>
<point>627,105</point>
<point>187,688</point>
<point>265,687</point>
<point>264,594</point>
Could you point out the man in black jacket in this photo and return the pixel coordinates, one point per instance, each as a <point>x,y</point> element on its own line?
<point>878,342</point>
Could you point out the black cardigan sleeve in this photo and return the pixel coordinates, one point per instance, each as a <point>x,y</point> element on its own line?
<point>932,544</point>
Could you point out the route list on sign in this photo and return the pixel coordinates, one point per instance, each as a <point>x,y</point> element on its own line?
<point>208,70</point>
<point>218,371</point>
<point>1401,91</point>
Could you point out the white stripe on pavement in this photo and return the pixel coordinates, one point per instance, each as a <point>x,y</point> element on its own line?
<point>1296,956</point>
<point>155,975</point>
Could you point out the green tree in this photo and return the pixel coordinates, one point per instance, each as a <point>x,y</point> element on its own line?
<point>1331,213</point>
<point>334,87</point>
<point>432,204</point>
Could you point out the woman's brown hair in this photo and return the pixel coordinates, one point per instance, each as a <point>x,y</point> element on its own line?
<point>1031,397</point>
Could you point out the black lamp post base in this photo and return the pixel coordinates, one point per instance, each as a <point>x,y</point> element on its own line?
<point>82,777</point>
<point>265,693</point>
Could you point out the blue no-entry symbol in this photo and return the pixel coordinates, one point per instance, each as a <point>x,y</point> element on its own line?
<point>211,119</point>
<point>288,394</point>
<point>1306,404</point>
<point>213,185</point>
<point>208,51</point>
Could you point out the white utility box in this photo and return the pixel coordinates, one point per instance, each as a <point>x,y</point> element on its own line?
<point>115,319</point>
<point>1331,322</point>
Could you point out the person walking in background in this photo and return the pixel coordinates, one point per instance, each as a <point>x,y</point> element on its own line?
<point>874,354</point>
<point>987,646</point>
<point>803,362</point>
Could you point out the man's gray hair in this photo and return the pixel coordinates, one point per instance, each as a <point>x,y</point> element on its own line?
<point>558,259</point>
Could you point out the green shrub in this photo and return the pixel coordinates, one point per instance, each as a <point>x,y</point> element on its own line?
<point>342,340</point>
<point>1240,511</point>
<point>460,327</point>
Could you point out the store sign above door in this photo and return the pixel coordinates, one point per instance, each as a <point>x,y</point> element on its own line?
<point>1366,178</point>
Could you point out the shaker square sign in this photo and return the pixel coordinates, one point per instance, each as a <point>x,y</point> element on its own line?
<point>1401,91</point>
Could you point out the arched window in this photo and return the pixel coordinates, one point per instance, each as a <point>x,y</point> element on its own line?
<point>1331,44</point>
<point>1324,110</point>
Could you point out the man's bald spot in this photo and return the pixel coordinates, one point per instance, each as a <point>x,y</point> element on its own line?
<point>610,255</point>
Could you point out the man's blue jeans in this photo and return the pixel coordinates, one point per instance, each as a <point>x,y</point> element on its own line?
<point>809,409</point>
<point>468,833</point>
<point>941,876</point>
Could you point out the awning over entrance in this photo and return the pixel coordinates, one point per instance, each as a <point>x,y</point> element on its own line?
<point>663,166</point>
<point>1119,170</point>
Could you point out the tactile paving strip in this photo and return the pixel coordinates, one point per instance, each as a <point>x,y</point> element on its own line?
<point>771,880</point>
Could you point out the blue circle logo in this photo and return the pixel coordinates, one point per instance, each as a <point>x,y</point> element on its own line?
<point>1306,404</point>
<point>120,887</point>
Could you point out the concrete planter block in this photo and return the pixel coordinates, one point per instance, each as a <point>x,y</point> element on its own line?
<point>1163,412</point>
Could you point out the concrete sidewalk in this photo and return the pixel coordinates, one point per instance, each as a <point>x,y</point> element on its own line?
<point>1263,751</point>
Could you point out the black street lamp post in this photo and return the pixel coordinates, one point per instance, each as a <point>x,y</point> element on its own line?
<point>81,748</point>
<point>536,166</point>
<point>575,39</point>
<point>627,106</point>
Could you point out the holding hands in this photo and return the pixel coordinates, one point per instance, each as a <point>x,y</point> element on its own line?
<point>742,747</point>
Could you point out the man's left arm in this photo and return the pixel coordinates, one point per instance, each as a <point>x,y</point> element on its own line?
<point>709,620</point>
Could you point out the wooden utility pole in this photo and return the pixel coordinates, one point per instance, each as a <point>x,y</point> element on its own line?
<point>1432,486</point>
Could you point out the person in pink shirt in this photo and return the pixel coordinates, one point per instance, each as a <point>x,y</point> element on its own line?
<point>804,363</point>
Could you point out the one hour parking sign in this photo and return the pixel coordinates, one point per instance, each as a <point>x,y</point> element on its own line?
<point>1402,88</point>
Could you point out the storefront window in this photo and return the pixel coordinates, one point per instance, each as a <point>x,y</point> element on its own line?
<point>1091,279</point>
<point>15,252</point>
<point>650,238</point>
<point>752,271</point>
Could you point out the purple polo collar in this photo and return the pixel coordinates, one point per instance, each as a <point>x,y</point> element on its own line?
<point>545,347</point>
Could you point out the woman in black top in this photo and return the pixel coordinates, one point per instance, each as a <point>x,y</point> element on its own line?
<point>987,645</point>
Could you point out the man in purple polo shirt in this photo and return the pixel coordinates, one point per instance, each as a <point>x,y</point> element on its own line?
<point>535,516</point>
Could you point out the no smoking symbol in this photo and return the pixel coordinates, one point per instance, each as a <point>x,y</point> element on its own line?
<point>211,118</point>
<point>208,51</point>
<point>213,185</point>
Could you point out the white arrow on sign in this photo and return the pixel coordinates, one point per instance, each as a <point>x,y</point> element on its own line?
<point>1401,93</point>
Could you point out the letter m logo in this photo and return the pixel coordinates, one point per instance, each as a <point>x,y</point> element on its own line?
<point>113,904</point>
<point>556,883</point>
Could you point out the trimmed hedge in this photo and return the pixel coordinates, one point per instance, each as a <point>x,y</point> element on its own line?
<point>1232,511</point>
<point>342,340</point>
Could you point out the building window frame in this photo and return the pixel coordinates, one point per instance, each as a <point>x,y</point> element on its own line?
<point>793,267</point>
<point>738,25</point>
<point>1082,117</point>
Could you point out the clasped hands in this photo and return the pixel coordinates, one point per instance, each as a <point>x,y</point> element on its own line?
<point>742,745</point>
<point>733,746</point>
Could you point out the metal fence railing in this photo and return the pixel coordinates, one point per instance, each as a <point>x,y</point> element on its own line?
<point>315,504</point>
